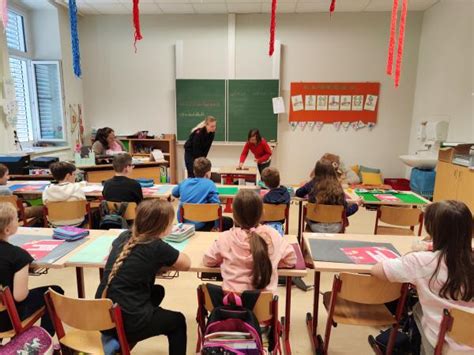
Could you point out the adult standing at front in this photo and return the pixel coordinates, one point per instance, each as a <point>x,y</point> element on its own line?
<point>199,142</point>
<point>260,149</point>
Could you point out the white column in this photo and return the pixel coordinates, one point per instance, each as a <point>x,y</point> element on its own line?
<point>231,46</point>
<point>179,52</point>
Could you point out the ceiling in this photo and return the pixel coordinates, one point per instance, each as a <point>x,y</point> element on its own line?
<point>99,7</point>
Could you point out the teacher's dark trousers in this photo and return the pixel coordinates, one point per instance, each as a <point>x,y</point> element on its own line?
<point>189,162</point>
<point>262,167</point>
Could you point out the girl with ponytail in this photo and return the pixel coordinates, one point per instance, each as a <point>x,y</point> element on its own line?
<point>129,278</point>
<point>250,254</point>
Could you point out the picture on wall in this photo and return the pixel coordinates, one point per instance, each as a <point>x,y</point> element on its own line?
<point>322,102</point>
<point>357,102</point>
<point>334,101</point>
<point>310,102</point>
<point>346,101</point>
<point>297,102</point>
<point>370,102</point>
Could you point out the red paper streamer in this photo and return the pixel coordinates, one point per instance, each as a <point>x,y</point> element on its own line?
<point>272,28</point>
<point>136,23</point>
<point>393,32</point>
<point>332,7</point>
<point>401,42</point>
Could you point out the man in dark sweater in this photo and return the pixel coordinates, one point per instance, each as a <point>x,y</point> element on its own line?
<point>121,188</point>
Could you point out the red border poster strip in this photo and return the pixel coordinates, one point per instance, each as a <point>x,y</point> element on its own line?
<point>348,109</point>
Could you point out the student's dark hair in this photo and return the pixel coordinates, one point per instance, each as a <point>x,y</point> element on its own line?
<point>3,170</point>
<point>60,169</point>
<point>327,189</point>
<point>152,219</point>
<point>121,161</point>
<point>254,133</point>
<point>449,223</point>
<point>247,211</point>
<point>271,177</point>
<point>201,167</point>
<point>102,134</point>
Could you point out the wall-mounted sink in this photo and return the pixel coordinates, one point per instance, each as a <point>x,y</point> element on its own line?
<point>421,160</point>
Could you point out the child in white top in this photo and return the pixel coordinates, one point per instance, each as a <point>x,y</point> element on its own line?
<point>444,277</point>
<point>67,189</point>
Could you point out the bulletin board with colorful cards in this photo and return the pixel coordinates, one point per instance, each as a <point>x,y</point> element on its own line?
<point>334,102</point>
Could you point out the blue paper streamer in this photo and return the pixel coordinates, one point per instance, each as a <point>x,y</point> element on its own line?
<point>76,55</point>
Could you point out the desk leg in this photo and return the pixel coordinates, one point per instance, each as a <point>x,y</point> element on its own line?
<point>287,318</point>
<point>300,222</point>
<point>312,319</point>
<point>81,293</point>
<point>229,180</point>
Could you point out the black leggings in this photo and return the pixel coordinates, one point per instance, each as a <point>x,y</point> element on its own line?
<point>32,303</point>
<point>189,162</point>
<point>262,167</point>
<point>164,322</point>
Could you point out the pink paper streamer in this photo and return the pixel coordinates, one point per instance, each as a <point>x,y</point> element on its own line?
<point>401,42</point>
<point>393,32</point>
<point>4,13</point>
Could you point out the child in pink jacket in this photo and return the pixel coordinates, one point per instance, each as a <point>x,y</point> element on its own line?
<point>250,254</point>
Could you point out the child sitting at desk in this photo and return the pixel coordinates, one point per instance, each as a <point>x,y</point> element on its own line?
<point>325,189</point>
<point>67,189</point>
<point>15,263</point>
<point>277,195</point>
<point>200,190</point>
<point>121,188</point>
<point>250,254</point>
<point>444,277</point>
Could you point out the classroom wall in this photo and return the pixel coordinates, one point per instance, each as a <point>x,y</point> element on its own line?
<point>444,82</point>
<point>131,91</point>
<point>45,34</point>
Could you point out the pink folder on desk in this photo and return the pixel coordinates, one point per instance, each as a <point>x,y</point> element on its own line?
<point>300,264</point>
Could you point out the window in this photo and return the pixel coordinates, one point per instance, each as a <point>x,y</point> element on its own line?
<point>15,32</point>
<point>19,73</point>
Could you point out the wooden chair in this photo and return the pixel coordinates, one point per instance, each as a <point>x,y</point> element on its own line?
<point>324,214</point>
<point>458,325</point>
<point>399,217</point>
<point>130,212</point>
<point>277,213</point>
<point>18,204</point>
<point>67,210</point>
<point>7,303</point>
<point>358,299</point>
<point>87,318</point>
<point>266,311</point>
<point>207,212</point>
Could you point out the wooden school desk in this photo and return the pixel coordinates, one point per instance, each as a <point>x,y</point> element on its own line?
<point>229,174</point>
<point>402,243</point>
<point>93,254</point>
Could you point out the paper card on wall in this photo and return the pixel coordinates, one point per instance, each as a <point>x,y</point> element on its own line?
<point>357,102</point>
<point>337,125</point>
<point>361,124</point>
<point>334,101</point>
<point>371,125</point>
<point>310,102</point>
<point>278,105</point>
<point>345,125</point>
<point>297,102</point>
<point>346,102</point>
<point>311,125</point>
<point>293,125</point>
<point>303,125</point>
<point>370,102</point>
<point>319,125</point>
<point>322,103</point>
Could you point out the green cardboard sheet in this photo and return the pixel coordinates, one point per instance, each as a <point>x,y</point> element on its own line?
<point>179,246</point>
<point>404,197</point>
<point>94,253</point>
<point>227,190</point>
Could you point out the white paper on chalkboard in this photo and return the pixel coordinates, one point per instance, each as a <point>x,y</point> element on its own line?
<point>278,105</point>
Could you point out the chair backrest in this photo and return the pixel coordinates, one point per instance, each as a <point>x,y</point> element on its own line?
<point>81,313</point>
<point>66,210</point>
<point>201,212</point>
<point>130,212</point>
<point>400,216</point>
<point>367,289</point>
<point>11,199</point>
<point>324,213</point>
<point>262,309</point>
<point>274,213</point>
<point>461,329</point>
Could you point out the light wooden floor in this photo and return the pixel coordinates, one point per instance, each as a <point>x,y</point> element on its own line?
<point>181,295</point>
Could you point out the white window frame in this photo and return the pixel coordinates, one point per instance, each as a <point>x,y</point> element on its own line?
<point>35,107</point>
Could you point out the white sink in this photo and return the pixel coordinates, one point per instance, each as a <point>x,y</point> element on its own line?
<point>420,160</point>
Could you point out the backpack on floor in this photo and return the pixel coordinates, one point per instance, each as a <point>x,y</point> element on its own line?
<point>232,328</point>
<point>33,341</point>
<point>113,219</point>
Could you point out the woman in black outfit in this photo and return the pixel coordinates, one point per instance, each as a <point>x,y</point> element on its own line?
<point>199,142</point>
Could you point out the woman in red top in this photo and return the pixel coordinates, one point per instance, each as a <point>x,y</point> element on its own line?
<point>260,149</point>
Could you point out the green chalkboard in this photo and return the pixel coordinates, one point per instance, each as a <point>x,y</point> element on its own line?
<point>196,99</point>
<point>250,106</point>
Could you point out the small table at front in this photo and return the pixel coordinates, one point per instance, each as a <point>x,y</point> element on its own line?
<point>195,248</point>
<point>229,174</point>
<point>402,243</point>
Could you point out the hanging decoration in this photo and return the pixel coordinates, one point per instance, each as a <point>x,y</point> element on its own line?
<point>346,125</point>
<point>332,7</point>
<point>401,40</point>
<point>303,125</point>
<point>362,124</point>
<point>371,125</point>
<point>311,125</point>
<point>136,23</point>
<point>76,55</point>
<point>4,13</point>
<point>319,125</point>
<point>337,125</point>
<point>293,125</point>
<point>272,28</point>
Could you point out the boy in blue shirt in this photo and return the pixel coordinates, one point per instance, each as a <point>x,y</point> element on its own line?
<point>200,190</point>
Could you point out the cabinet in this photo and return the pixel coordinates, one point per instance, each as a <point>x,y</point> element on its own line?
<point>454,182</point>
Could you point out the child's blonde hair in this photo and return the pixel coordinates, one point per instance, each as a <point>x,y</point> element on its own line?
<point>202,124</point>
<point>8,214</point>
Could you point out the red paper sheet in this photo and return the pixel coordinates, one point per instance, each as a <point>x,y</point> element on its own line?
<point>369,255</point>
<point>40,248</point>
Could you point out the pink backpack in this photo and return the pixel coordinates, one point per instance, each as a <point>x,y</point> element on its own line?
<point>33,341</point>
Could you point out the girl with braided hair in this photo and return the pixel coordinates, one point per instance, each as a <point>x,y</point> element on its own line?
<point>129,277</point>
